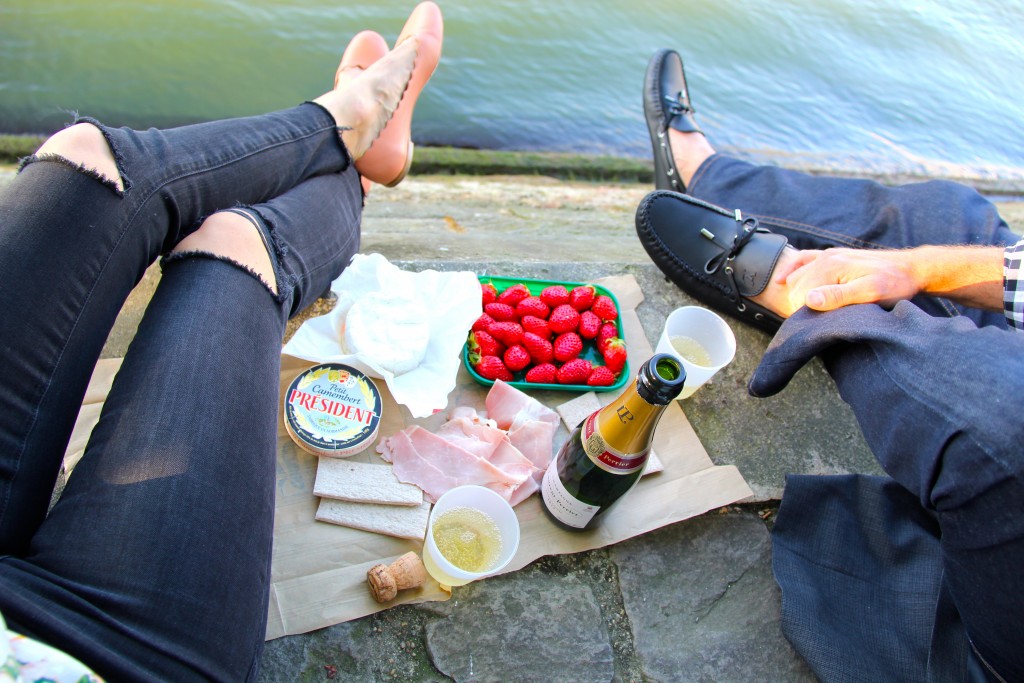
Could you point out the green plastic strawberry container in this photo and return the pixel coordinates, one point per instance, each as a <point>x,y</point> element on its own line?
<point>589,352</point>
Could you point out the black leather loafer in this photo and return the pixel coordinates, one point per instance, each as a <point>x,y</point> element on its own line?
<point>667,105</point>
<point>719,257</point>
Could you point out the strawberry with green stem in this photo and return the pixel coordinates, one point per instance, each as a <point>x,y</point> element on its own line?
<point>604,308</point>
<point>615,354</point>
<point>582,297</point>
<point>481,343</point>
<point>514,294</point>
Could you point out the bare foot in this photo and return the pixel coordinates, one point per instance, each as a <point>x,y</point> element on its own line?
<point>779,298</point>
<point>689,150</point>
<point>364,104</point>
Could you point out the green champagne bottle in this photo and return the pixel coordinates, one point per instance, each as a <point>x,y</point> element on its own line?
<point>605,455</point>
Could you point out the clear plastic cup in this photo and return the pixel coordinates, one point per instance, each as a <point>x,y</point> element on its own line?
<point>710,332</point>
<point>476,498</point>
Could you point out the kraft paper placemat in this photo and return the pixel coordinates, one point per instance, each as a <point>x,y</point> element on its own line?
<point>319,569</point>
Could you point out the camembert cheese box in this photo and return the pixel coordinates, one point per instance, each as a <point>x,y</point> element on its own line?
<point>332,410</point>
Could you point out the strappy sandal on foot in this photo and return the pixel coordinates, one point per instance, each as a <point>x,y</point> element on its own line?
<point>718,257</point>
<point>667,105</point>
<point>389,158</point>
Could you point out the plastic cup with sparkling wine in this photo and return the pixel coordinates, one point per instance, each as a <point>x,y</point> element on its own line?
<point>702,340</point>
<point>472,533</point>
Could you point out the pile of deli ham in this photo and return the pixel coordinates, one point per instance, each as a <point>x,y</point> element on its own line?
<point>507,450</point>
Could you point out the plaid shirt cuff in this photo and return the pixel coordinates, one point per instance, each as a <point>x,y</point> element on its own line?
<point>1013,285</point>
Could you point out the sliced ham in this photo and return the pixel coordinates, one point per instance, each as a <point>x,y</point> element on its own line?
<point>530,424</point>
<point>507,451</point>
<point>435,465</point>
<point>527,489</point>
<point>506,405</point>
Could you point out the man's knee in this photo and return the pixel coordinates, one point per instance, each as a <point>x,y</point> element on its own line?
<point>84,145</point>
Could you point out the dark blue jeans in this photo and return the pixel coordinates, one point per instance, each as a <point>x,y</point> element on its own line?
<point>917,577</point>
<point>155,562</point>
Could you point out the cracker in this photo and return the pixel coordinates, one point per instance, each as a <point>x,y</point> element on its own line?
<point>402,521</point>
<point>654,464</point>
<point>363,482</point>
<point>578,409</point>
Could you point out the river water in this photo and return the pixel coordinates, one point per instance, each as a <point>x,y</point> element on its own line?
<point>877,85</point>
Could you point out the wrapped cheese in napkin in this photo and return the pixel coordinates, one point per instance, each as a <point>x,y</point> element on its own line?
<point>387,347</point>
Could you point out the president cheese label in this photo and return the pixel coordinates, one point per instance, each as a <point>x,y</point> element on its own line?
<point>333,410</point>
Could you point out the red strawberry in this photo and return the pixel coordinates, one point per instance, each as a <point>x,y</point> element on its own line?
<point>555,295</point>
<point>576,371</point>
<point>508,333</point>
<point>545,373</point>
<point>482,322</point>
<point>500,311</point>
<point>532,305</point>
<point>539,348</point>
<point>482,343</point>
<point>582,297</point>
<point>492,367</point>
<point>607,331</point>
<point>514,294</point>
<point>564,318</point>
<point>590,325</point>
<point>567,346</point>
<point>488,292</point>
<point>538,326</point>
<point>516,357</point>
<point>601,377</point>
<point>615,354</point>
<point>604,308</point>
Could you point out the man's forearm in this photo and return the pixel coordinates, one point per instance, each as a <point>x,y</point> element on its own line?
<point>972,276</point>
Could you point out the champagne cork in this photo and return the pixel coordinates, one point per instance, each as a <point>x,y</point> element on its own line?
<point>386,580</point>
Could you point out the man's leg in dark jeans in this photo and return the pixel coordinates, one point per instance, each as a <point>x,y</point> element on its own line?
<point>938,399</point>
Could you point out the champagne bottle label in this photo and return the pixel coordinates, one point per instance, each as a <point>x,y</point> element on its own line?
<point>568,509</point>
<point>606,457</point>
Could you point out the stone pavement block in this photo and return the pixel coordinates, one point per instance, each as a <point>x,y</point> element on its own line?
<point>387,646</point>
<point>702,602</point>
<point>525,627</point>
<point>338,649</point>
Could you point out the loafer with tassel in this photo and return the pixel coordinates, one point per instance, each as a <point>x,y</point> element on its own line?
<point>719,257</point>
<point>667,105</point>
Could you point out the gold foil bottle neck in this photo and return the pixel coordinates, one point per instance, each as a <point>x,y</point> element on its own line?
<point>627,424</point>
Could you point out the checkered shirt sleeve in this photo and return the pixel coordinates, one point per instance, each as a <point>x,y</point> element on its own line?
<point>1013,285</point>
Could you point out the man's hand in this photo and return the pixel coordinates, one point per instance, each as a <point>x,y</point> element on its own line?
<point>826,280</point>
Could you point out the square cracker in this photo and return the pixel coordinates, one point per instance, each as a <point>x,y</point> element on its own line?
<point>402,521</point>
<point>363,482</point>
